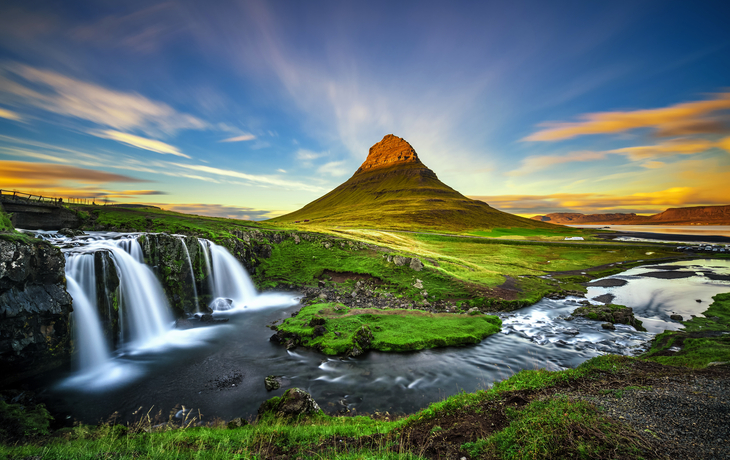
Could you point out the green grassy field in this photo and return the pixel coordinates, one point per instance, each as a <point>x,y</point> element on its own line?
<point>385,329</point>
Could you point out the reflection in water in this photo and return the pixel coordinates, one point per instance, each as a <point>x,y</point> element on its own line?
<point>657,291</point>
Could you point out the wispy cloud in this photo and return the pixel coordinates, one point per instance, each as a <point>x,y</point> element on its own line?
<point>679,119</point>
<point>242,138</point>
<point>9,115</point>
<point>22,170</point>
<point>536,163</point>
<point>260,180</point>
<point>308,155</point>
<point>334,168</point>
<point>24,85</point>
<point>639,153</point>
<point>140,142</point>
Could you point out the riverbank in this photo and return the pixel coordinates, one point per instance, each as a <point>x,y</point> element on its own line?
<point>608,407</point>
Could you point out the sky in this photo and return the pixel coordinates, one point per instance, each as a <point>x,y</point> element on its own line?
<point>252,109</point>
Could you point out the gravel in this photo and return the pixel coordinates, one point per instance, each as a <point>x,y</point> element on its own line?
<point>686,417</point>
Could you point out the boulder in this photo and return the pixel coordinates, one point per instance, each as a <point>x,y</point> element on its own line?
<point>272,382</point>
<point>416,264</point>
<point>293,403</point>
<point>676,317</point>
<point>610,314</point>
<point>237,423</point>
<point>400,260</point>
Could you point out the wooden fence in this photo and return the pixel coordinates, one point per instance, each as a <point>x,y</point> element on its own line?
<point>16,195</point>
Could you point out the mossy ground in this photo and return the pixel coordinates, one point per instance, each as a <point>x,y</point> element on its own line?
<point>391,330</point>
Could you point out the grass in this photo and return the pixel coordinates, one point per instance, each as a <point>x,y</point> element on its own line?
<point>5,224</point>
<point>558,428</point>
<point>385,329</point>
<point>704,340</point>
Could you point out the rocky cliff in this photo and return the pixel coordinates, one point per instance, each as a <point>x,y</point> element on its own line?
<point>578,218</point>
<point>391,151</point>
<point>697,215</point>
<point>35,308</point>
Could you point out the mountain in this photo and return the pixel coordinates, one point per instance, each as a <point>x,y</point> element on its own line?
<point>696,215</point>
<point>578,218</point>
<point>394,189</point>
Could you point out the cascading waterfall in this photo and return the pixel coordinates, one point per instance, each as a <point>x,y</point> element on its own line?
<point>206,259</point>
<point>230,280</point>
<point>143,301</point>
<point>192,275</point>
<point>120,303</point>
<point>90,341</point>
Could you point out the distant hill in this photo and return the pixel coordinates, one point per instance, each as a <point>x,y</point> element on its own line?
<point>696,215</point>
<point>394,189</point>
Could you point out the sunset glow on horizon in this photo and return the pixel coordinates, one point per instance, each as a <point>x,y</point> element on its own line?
<point>252,109</point>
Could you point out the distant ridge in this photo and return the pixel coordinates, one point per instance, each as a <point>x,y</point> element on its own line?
<point>394,189</point>
<point>696,215</point>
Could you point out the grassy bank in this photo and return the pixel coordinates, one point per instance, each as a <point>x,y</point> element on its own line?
<point>335,329</point>
<point>506,421</point>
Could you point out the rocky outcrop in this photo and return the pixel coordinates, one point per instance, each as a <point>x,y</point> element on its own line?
<point>610,314</point>
<point>168,257</point>
<point>294,402</point>
<point>391,151</point>
<point>35,309</point>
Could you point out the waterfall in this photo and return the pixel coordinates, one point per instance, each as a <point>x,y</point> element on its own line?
<point>90,341</point>
<point>146,311</point>
<point>230,280</point>
<point>204,244</point>
<point>192,275</point>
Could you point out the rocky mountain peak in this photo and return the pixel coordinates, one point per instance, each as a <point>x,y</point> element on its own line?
<point>391,151</point>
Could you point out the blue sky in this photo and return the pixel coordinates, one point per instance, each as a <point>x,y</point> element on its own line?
<point>253,109</point>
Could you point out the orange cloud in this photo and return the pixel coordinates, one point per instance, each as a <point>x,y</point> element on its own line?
<point>22,171</point>
<point>536,163</point>
<point>687,117</point>
<point>597,202</point>
<point>9,115</point>
<point>681,146</point>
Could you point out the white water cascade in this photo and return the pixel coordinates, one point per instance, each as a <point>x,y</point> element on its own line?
<point>230,280</point>
<point>143,301</point>
<point>93,349</point>
<point>192,275</point>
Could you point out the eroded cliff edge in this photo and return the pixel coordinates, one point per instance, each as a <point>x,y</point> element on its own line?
<point>35,308</point>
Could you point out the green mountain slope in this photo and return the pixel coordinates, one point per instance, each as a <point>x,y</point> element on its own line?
<point>394,190</point>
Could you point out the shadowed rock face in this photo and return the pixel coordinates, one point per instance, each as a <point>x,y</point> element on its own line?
<point>391,151</point>
<point>34,309</point>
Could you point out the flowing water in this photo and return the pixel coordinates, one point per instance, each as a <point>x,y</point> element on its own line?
<point>219,369</point>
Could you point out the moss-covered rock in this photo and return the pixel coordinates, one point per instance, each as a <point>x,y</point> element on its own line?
<point>293,403</point>
<point>610,314</point>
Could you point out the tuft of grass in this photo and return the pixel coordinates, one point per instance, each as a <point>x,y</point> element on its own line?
<point>386,329</point>
<point>5,223</point>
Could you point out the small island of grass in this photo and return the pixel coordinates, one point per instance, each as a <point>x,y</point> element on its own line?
<point>336,329</point>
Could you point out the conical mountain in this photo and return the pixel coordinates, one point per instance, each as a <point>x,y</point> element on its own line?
<point>394,189</point>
